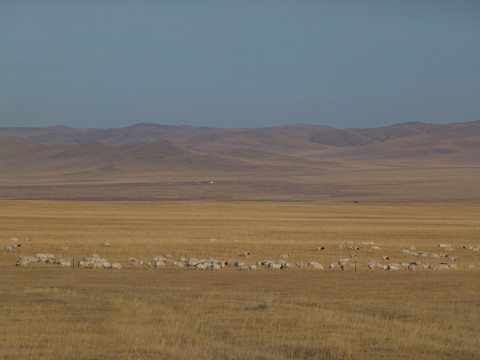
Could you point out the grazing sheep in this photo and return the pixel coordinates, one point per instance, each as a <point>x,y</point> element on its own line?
<point>63,247</point>
<point>201,266</point>
<point>238,263</point>
<point>106,244</point>
<point>66,262</point>
<point>8,248</point>
<point>273,265</point>
<point>252,267</point>
<point>284,256</point>
<point>134,261</point>
<point>444,245</point>
<point>245,253</point>
<point>332,265</point>
<point>393,267</point>
<point>116,266</point>
<point>25,260</point>
<point>411,267</point>
<point>353,255</point>
<point>315,265</point>
<point>340,246</point>
<point>406,252</point>
<point>320,248</point>
<point>384,257</point>
<point>46,258</point>
<point>353,247</point>
<point>27,239</point>
<point>192,262</point>
<point>299,264</point>
<point>375,248</point>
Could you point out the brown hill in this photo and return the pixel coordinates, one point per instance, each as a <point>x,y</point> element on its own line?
<point>409,161</point>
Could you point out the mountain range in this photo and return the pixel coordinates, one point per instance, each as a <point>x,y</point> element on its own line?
<point>411,161</point>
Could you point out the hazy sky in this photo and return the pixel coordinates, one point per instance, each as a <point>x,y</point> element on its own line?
<point>343,63</point>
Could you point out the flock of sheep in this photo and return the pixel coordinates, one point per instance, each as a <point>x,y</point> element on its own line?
<point>444,259</point>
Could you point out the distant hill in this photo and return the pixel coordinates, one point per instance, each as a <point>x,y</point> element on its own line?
<point>296,162</point>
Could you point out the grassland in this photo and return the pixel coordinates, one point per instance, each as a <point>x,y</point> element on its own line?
<point>136,313</point>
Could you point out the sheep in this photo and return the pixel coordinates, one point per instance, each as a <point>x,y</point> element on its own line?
<point>375,248</point>
<point>201,266</point>
<point>192,262</point>
<point>284,256</point>
<point>353,247</point>
<point>444,245</point>
<point>63,247</point>
<point>384,257</point>
<point>406,252</point>
<point>106,244</point>
<point>393,267</point>
<point>273,265</point>
<point>332,265</point>
<point>25,260</point>
<point>411,267</point>
<point>367,243</point>
<point>299,264</point>
<point>252,267</point>
<point>116,266</point>
<point>238,263</point>
<point>315,265</point>
<point>245,253</point>
<point>27,239</point>
<point>13,238</point>
<point>66,262</point>
<point>353,255</point>
<point>135,262</point>
<point>8,248</point>
<point>214,266</point>
<point>46,258</point>
<point>320,248</point>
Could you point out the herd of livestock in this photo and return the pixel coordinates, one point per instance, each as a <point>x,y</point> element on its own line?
<point>444,259</point>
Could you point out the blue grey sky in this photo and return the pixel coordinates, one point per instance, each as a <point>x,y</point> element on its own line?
<point>343,63</point>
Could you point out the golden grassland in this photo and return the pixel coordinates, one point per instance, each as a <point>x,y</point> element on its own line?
<point>136,313</point>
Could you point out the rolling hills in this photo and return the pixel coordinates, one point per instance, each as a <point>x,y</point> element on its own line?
<point>297,162</point>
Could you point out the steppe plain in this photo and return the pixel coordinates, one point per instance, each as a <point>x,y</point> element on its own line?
<point>209,192</point>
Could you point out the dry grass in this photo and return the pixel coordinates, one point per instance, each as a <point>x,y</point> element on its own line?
<point>50,312</point>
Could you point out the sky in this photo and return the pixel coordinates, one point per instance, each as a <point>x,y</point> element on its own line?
<point>238,64</point>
